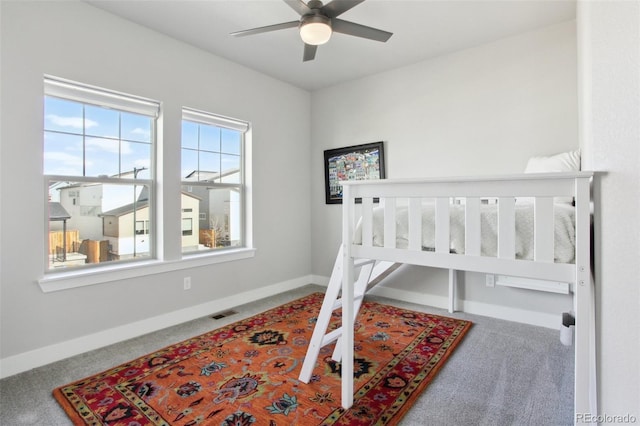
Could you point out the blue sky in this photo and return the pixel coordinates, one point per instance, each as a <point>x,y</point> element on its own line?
<point>109,142</point>
<point>209,148</point>
<point>114,142</point>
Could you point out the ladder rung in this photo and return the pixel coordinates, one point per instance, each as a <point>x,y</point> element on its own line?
<point>338,303</point>
<point>332,336</point>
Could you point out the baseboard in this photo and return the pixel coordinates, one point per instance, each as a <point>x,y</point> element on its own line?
<point>25,361</point>
<point>320,280</point>
<point>441,302</point>
<point>524,316</point>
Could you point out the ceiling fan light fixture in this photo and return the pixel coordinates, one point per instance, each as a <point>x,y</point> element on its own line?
<point>315,30</point>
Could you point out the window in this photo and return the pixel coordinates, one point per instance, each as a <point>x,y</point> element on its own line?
<point>212,181</point>
<point>187,226</point>
<point>99,150</point>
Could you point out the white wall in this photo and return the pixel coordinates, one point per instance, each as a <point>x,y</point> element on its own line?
<point>74,40</point>
<point>609,52</point>
<point>484,110</point>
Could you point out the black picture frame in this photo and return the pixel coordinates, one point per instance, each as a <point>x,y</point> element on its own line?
<point>357,162</point>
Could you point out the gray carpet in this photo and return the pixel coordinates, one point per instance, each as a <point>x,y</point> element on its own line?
<point>503,373</point>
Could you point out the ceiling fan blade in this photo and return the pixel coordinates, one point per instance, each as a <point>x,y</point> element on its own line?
<point>268,28</point>
<point>336,8</point>
<point>309,52</point>
<point>351,28</point>
<point>299,6</point>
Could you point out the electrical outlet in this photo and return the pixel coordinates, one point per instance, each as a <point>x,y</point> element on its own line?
<point>491,280</point>
<point>187,283</point>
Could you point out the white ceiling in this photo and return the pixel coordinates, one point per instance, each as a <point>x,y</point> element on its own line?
<point>422,29</point>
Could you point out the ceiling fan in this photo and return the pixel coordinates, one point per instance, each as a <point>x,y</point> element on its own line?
<point>317,22</point>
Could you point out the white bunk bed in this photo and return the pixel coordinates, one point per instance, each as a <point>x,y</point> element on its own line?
<point>372,234</point>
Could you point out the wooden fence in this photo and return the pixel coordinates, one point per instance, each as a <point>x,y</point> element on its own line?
<point>96,251</point>
<point>56,239</point>
<point>207,237</point>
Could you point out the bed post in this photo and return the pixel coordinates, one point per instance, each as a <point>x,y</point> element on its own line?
<point>585,390</point>
<point>453,290</point>
<point>347,299</point>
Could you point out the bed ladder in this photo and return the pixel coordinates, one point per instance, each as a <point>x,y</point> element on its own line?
<point>371,273</point>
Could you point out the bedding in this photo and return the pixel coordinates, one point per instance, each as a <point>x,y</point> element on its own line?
<point>563,162</point>
<point>564,232</point>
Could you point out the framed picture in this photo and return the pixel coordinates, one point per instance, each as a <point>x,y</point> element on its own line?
<point>358,162</point>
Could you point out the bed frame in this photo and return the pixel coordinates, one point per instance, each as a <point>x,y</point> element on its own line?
<point>541,187</point>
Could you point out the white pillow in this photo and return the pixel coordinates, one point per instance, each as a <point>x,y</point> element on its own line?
<point>563,162</point>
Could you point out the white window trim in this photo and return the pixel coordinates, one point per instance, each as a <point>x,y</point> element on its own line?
<point>53,281</point>
<point>208,118</point>
<point>203,117</point>
<point>84,93</point>
<point>80,278</point>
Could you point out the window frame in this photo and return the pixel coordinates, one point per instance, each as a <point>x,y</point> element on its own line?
<point>87,95</point>
<point>211,119</point>
<point>165,259</point>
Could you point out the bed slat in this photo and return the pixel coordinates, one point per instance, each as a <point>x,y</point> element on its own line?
<point>472,230</point>
<point>442,225</point>
<point>367,222</point>
<point>390,223</point>
<point>415,224</point>
<point>506,228</point>
<point>543,230</point>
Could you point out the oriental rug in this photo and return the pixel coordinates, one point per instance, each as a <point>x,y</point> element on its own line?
<point>246,373</point>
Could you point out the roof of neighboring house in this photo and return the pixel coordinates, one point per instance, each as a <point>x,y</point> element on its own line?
<point>126,209</point>
<point>143,201</point>
<point>206,175</point>
<point>57,212</point>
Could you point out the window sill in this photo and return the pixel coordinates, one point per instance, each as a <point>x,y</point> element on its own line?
<point>71,279</point>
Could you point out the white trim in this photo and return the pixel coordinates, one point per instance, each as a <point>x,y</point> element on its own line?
<point>523,316</point>
<point>530,284</point>
<point>80,278</point>
<point>67,89</point>
<point>507,313</point>
<point>320,280</point>
<point>204,117</point>
<point>42,356</point>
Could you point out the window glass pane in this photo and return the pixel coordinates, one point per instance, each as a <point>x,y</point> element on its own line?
<point>62,115</point>
<point>209,138</point>
<point>136,160</point>
<point>231,141</point>
<point>189,164</point>
<point>189,134</point>
<point>230,168</point>
<point>101,122</point>
<point>136,127</point>
<point>216,214</point>
<point>191,204</point>
<point>92,223</point>
<point>89,155</point>
<point>209,166</point>
<point>62,154</point>
<point>102,157</point>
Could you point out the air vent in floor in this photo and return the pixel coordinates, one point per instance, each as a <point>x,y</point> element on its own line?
<point>223,314</point>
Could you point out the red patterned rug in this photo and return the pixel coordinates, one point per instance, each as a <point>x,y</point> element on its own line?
<point>246,373</point>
